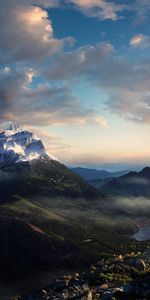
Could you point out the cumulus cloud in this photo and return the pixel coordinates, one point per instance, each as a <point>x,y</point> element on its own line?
<point>140,41</point>
<point>79,62</point>
<point>43,105</point>
<point>26,32</point>
<point>126,83</point>
<point>26,36</point>
<point>110,9</point>
<point>101,9</point>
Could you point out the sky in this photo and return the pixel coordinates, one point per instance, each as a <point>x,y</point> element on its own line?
<point>77,72</point>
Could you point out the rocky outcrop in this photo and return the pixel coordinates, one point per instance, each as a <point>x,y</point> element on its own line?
<point>119,277</point>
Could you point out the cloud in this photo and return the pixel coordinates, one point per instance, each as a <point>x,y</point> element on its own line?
<point>141,9</point>
<point>137,180</point>
<point>43,3</point>
<point>100,9</point>
<point>133,204</point>
<point>27,36</point>
<point>78,62</point>
<point>43,105</point>
<point>140,41</point>
<point>125,83</point>
<point>111,10</point>
<point>26,33</point>
<point>51,142</point>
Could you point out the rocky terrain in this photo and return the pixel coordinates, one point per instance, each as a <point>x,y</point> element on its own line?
<point>117,277</point>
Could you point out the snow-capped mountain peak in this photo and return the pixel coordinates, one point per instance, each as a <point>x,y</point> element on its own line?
<point>18,144</point>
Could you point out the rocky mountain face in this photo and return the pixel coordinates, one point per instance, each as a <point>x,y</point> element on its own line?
<point>20,145</point>
<point>131,184</point>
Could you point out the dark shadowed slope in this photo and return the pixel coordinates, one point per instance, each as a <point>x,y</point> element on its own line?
<point>131,184</point>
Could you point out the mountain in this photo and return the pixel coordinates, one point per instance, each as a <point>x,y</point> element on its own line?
<point>99,183</point>
<point>119,166</point>
<point>94,174</point>
<point>41,200</point>
<point>115,166</point>
<point>19,145</point>
<point>27,168</point>
<point>131,184</point>
<point>51,220</point>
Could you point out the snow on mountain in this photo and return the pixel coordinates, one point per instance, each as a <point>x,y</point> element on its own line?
<point>18,144</point>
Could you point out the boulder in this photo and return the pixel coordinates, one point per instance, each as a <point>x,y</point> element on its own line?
<point>138,264</point>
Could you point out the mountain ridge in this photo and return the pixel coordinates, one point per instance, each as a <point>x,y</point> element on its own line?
<point>94,174</point>
<point>131,184</point>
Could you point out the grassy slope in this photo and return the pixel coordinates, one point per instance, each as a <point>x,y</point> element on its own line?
<point>44,177</point>
<point>77,228</point>
<point>77,220</point>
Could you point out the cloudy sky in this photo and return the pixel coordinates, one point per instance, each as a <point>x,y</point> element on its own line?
<point>78,72</point>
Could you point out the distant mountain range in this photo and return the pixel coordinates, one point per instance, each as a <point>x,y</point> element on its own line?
<point>119,166</point>
<point>94,174</point>
<point>113,167</point>
<point>131,184</point>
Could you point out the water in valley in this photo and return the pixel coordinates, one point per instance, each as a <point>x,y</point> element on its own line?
<point>143,234</point>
